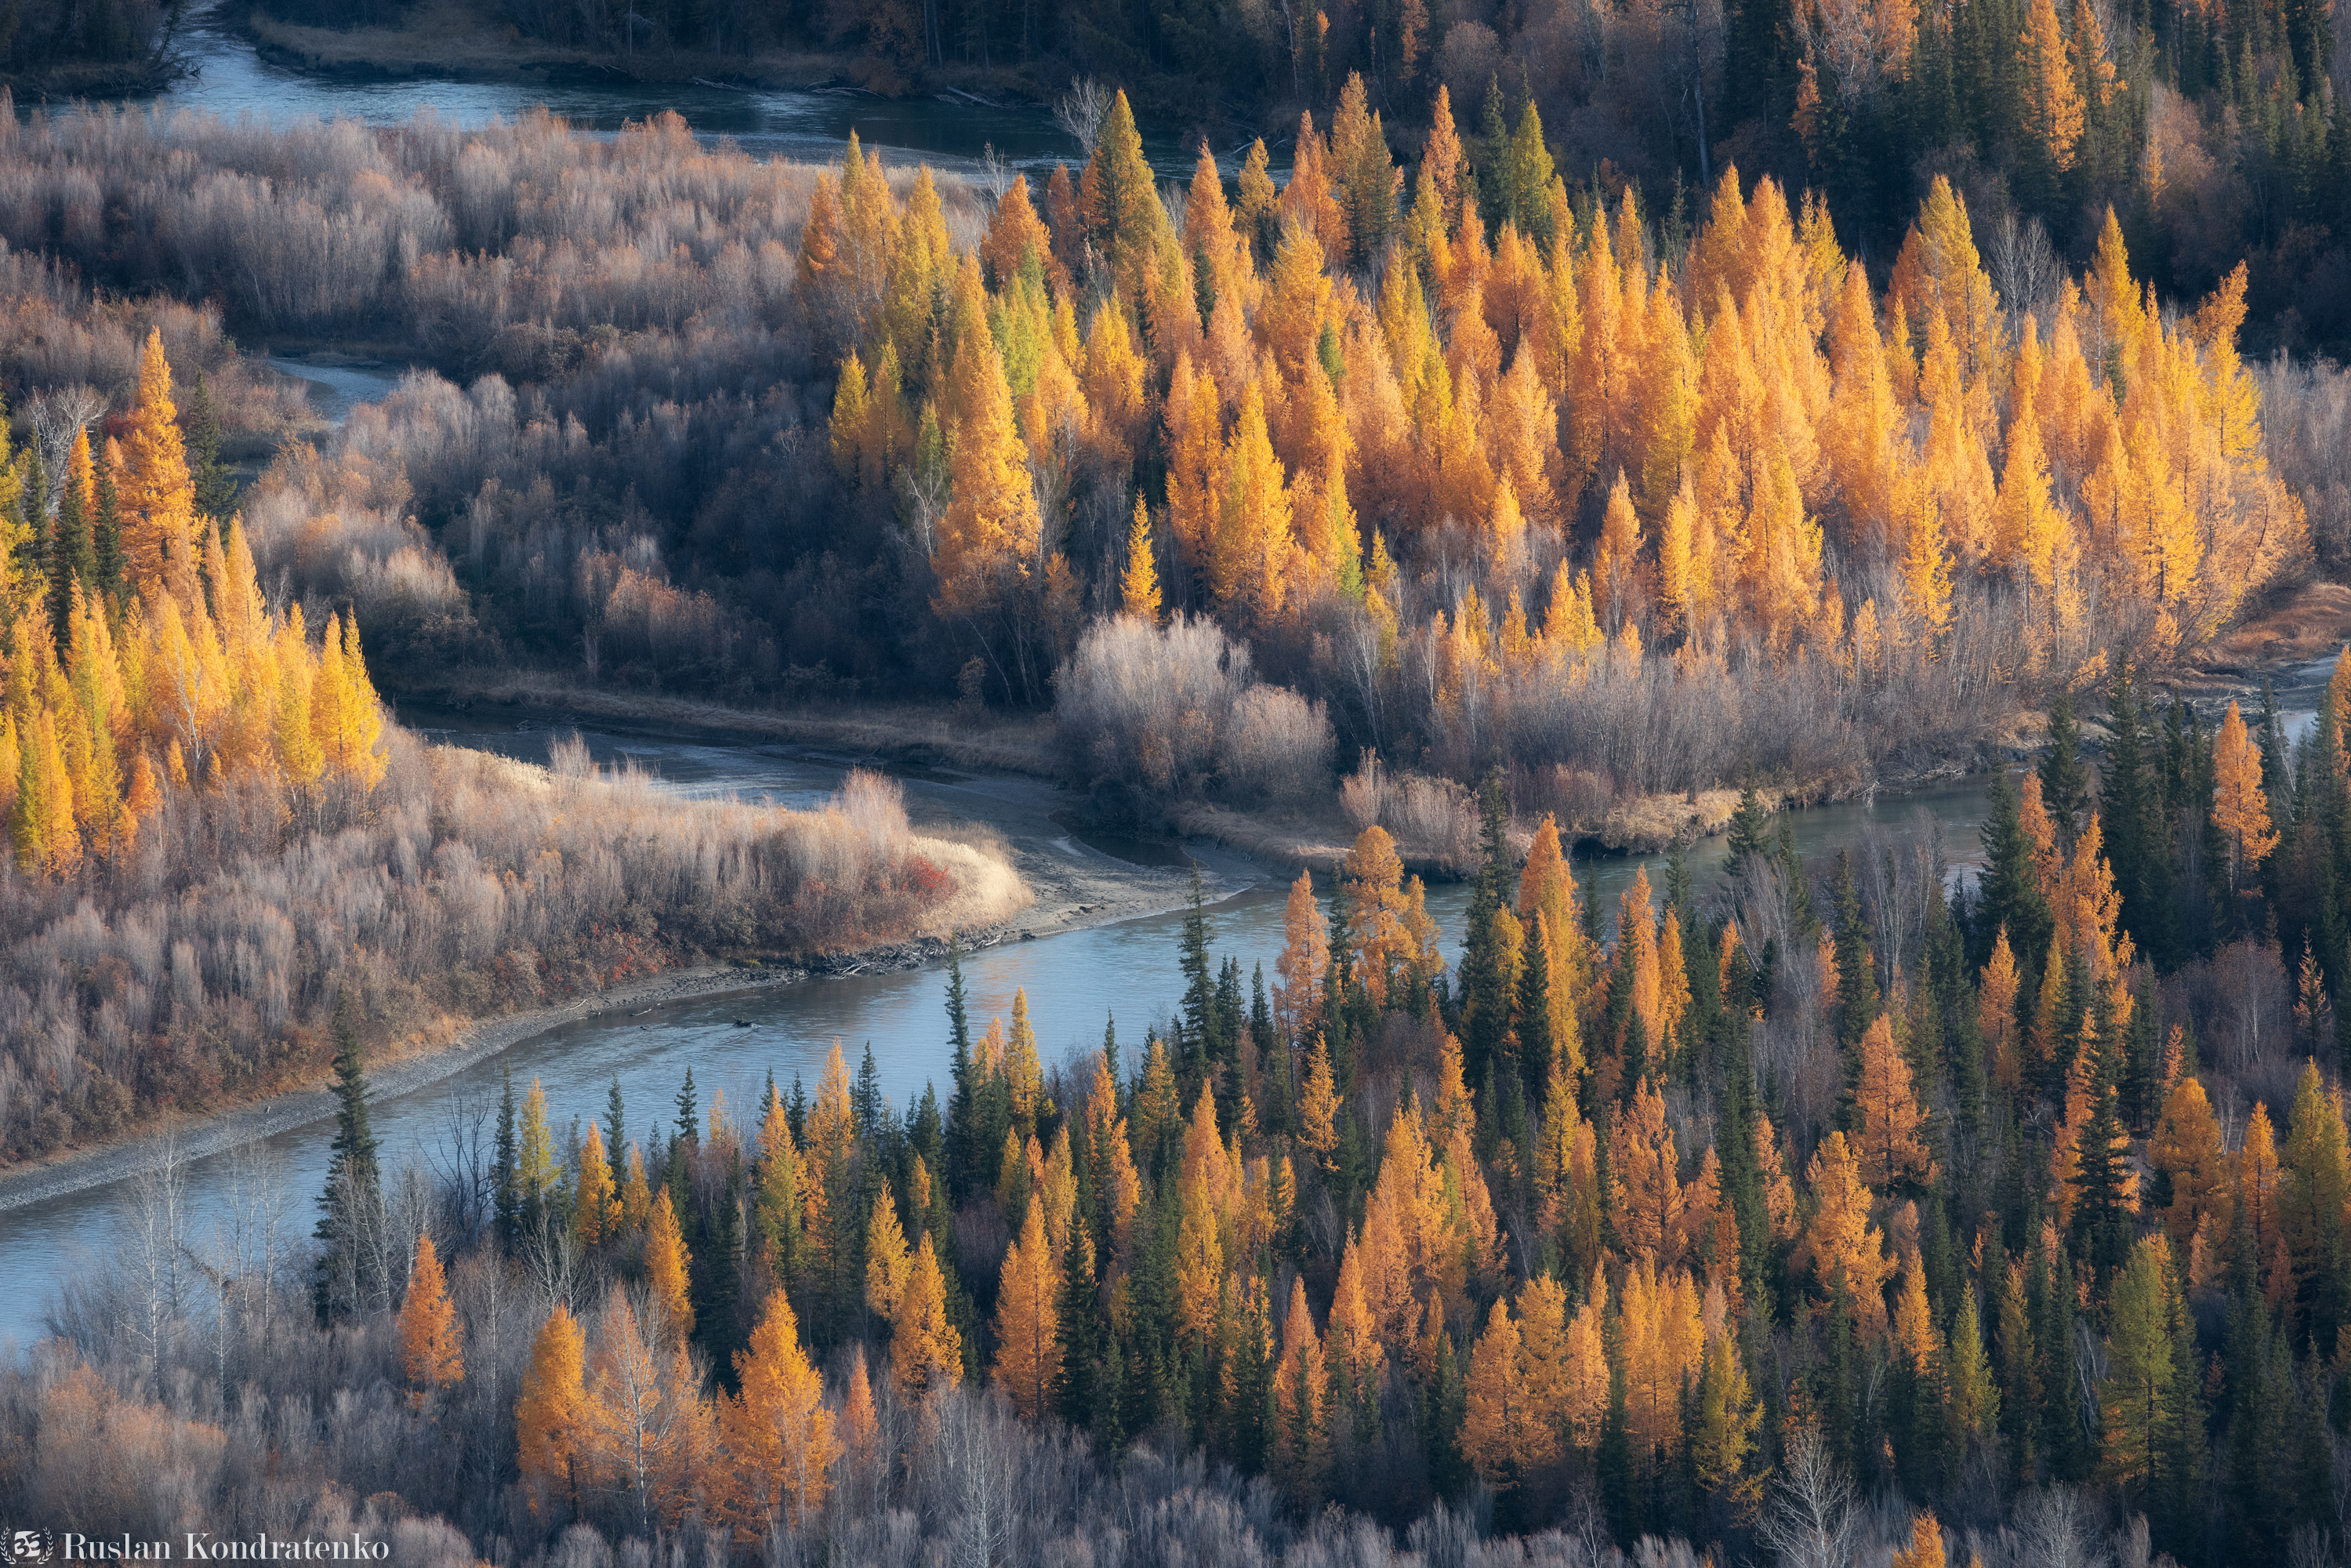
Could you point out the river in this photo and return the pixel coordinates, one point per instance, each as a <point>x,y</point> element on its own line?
<point>232,79</point>
<point>1076,981</point>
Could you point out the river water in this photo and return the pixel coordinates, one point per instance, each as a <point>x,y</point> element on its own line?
<point>810,124</point>
<point>1076,982</point>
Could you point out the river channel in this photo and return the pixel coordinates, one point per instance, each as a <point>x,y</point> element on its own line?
<point>231,79</point>
<point>1076,982</point>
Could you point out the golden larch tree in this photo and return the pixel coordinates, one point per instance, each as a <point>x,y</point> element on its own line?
<point>926,1349</point>
<point>1305,961</point>
<point>1028,1328</point>
<point>1301,1442</point>
<point>157,496</point>
<point>2257,1199</point>
<point>2053,100</point>
<point>2187,1146</point>
<point>1722,1437</point>
<point>1891,1119</point>
<point>596,1212</point>
<point>990,533</point>
<point>1139,584</point>
<point>431,1344</point>
<point>887,1260</point>
<point>1644,1178</point>
<point>1248,565</point>
<point>548,1414</point>
<point>1373,874</point>
<point>1841,1239</point>
<point>645,1435</point>
<point>666,1260</point>
<point>2240,809</point>
<point>1664,1342</point>
<point>777,1433</point>
<point>2144,1312</point>
<point>1925,1547</point>
<point>1996,1010</point>
<point>1495,1434</point>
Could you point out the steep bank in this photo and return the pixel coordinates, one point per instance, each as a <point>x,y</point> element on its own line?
<point>927,734</point>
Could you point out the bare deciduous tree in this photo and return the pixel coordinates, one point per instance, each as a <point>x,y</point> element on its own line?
<point>59,415</point>
<point>1811,1521</point>
<point>1080,112</point>
<point>2026,269</point>
<point>156,1237</point>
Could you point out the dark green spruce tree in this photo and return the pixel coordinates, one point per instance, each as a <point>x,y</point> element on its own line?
<point>350,1207</point>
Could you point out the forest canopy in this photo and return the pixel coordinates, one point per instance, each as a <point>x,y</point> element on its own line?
<point>1836,1210</point>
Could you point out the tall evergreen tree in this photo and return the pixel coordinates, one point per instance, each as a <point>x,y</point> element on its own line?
<point>2131,820</point>
<point>2276,783</point>
<point>961,1161</point>
<point>200,428</point>
<point>1485,1020</point>
<point>616,1122</point>
<point>505,1195</point>
<point>1858,1003</point>
<point>2065,781</point>
<point>349,1205</point>
<point>2008,898</point>
<point>106,534</point>
<point>1199,981</point>
<point>1751,829</point>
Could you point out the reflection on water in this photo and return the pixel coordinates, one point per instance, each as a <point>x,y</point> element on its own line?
<point>1076,982</point>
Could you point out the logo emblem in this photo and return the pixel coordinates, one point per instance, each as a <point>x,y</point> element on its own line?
<point>29,1546</point>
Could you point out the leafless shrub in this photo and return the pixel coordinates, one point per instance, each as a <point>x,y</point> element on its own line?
<point>1362,794</point>
<point>2307,432</point>
<point>1433,818</point>
<point>1172,710</point>
<point>1279,745</point>
<point>1436,816</point>
<point>567,756</point>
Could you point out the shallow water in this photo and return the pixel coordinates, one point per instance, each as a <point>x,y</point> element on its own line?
<point>1076,982</point>
<point>335,389</point>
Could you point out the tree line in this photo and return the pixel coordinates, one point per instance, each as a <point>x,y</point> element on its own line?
<point>1854,524</point>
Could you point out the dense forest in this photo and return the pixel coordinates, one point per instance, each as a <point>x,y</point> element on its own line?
<point>2216,131</point>
<point>1813,1217</point>
<point>1838,1211</point>
<point>1475,463</point>
<point>67,47</point>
